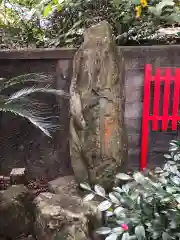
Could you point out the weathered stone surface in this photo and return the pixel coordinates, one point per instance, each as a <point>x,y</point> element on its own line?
<point>4,182</point>
<point>98,136</point>
<point>18,176</point>
<point>63,217</point>
<point>30,237</point>
<point>64,185</point>
<point>15,216</point>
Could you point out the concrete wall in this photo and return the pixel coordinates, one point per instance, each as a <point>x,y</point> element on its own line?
<point>23,145</point>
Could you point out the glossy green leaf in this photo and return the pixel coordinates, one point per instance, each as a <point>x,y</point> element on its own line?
<point>140,232</point>
<point>167,156</point>
<point>118,230</point>
<point>99,190</point>
<point>105,205</point>
<point>59,7</point>
<point>103,230</point>
<point>112,236</point>
<point>166,236</point>
<point>125,236</point>
<point>123,176</point>
<point>85,186</point>
<point>113,198</point>
<point>138,177</point>
<point>47,10</point>
<point>89,197</point>
<point>55,2</point>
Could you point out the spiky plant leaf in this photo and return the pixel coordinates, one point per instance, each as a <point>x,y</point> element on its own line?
<point>39,122</point>
<point>27,91</point>
<point>26,78</point>
<point>20,103</point>
<point>34,111</point>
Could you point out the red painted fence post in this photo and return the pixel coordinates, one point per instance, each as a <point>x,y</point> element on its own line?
<point>155,117</point>
<point>175,117</point>
<point>145,117</point>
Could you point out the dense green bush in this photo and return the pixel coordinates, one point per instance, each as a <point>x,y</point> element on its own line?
<point>144,205</point>
<point>60,23</point>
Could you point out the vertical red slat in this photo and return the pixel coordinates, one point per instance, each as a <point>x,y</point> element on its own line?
<point>156,101</point>
<point>167,80</point>
<point>176,99</point>
<point>145,117</point>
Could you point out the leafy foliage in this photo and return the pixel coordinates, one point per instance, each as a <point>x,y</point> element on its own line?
<point>24,102</point>
<point>62,22</point>
<point>146,206</point>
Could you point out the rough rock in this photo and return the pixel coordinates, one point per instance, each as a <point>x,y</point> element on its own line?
<point>67,185</point>
<point>98,135</point>
<point>15,212</point>
<point>63,217</point>
<point>30,237</point>
<point>18,176</point>
<point>64,185</point>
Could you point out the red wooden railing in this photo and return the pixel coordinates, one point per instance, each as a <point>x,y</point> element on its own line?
<point>155,117</point>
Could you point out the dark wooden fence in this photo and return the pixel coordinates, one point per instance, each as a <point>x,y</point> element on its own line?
<point>23,145</point>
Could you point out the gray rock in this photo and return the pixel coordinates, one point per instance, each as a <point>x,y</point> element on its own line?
<point>64,185</point>
<point>15,207</point>
<point>63,217</point>
<point>98,134</point>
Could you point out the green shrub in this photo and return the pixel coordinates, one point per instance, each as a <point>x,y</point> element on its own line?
<point>53,23</point>
<point>143,205</point>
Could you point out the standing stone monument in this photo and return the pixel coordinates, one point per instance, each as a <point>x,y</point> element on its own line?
<point>98,136</point>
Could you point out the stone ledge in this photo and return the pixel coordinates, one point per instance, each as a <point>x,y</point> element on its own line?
<point>64,185</point>
<point>63,217</point>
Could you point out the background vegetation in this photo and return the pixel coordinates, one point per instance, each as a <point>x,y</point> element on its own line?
<point>57,23</point>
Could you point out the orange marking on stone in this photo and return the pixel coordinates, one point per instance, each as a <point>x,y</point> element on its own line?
<point>107,130</point>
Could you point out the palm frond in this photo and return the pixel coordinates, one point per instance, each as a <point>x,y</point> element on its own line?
<point>25,78</point>
<point>27,91</point>
<point>22,102</point>
<point>45,124</point>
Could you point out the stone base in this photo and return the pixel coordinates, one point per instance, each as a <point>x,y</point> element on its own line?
<point>15,212</point>
<point>57,215</point>
<point>64,185</point>
<point>63,215</point>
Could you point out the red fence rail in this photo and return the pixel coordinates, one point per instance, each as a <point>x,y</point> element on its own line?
<point>167,78</point>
